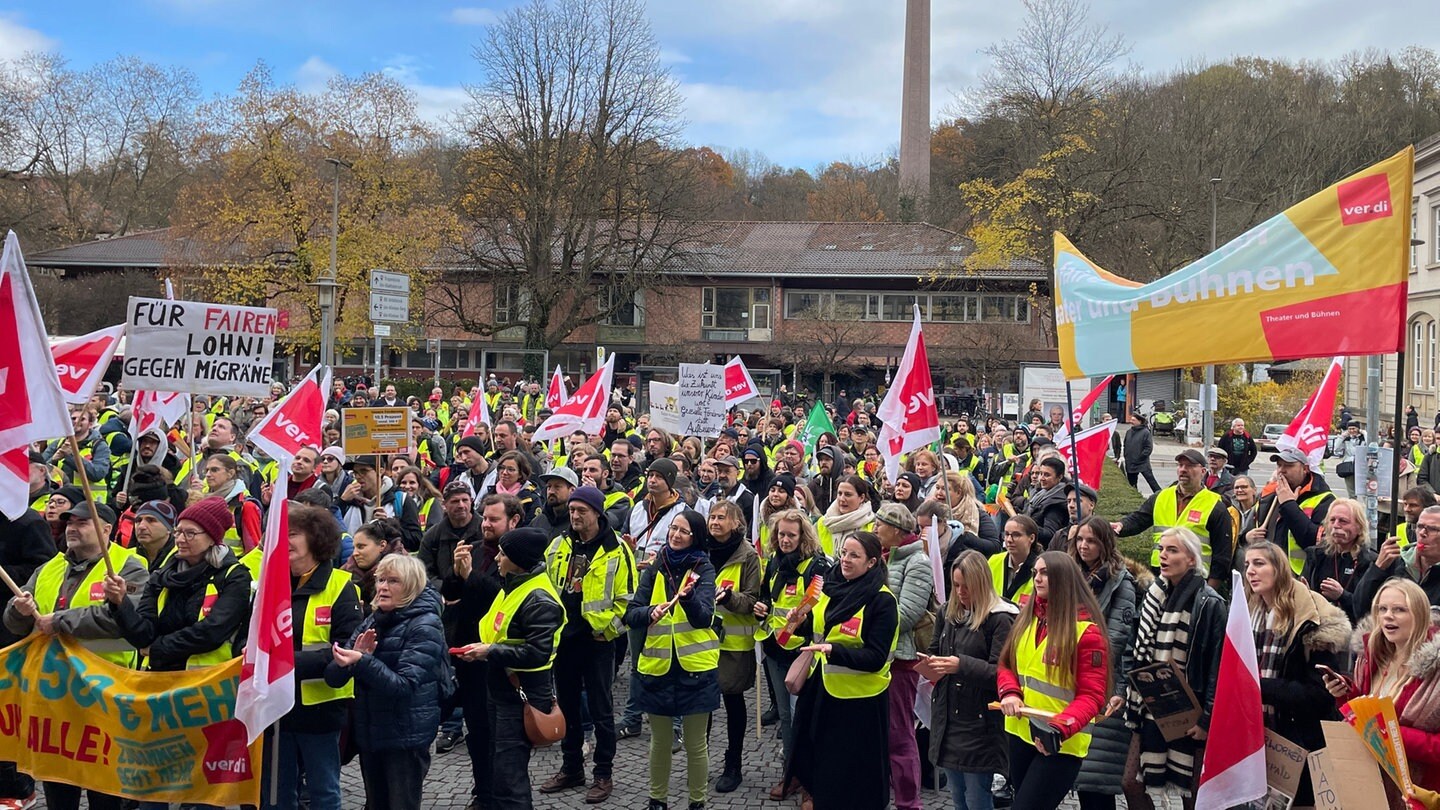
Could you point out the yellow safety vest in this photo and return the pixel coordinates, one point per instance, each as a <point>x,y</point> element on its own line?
<point>1166,515</point>
<point>1402,535</point>
<point>495,626</point>
<point>997,575</point>
<point>91,592</point>
<point>315,635</point>
<point>843,682</point>
<point>100,489</point>
<point>40,503</point>
<point>1295,552</point>
<point>827,540</point>
<point>605,587</point>
<point>220,654</point>
<point>673,637</point>
<point>739,628</point>
<point>790,598</point>
<point>1040,692</point>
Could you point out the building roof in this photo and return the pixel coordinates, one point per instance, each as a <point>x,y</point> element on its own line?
<point>762,249</point>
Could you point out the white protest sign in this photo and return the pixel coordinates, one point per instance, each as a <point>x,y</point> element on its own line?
<point>665,407</point>
<point>702,399</point>
<point>198,348</point>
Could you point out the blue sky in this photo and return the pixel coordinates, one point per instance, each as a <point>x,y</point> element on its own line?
<point>803,81</point>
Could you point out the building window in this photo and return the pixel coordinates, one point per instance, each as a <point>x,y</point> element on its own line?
<point>897,307</point>
<point>508,304</point>
<point>802,304</point>
<point>996,308</point>
<point>1435,236</point>
<point>954,308</point>
<point>628,312</point>
<point>735,308</point>
<point>1417,338</point>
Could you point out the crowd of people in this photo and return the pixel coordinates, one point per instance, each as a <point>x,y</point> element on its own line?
<point>488,589</point>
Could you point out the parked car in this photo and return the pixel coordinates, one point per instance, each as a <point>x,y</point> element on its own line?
<point>1268,437</point>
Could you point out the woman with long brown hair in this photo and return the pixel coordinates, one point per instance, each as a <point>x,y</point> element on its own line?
<point>1056,660</point>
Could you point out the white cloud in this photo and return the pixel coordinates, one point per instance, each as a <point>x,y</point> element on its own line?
<point>16,40</point>
<point>436,104</point>
<point>314,74</point>
<point>474,16</point>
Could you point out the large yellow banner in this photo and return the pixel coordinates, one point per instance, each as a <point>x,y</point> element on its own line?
<point>67,715</point>
<point>1325,277</point>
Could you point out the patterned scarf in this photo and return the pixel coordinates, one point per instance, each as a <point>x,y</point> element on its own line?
<point>1164,635</point>
<point>1269,647</point>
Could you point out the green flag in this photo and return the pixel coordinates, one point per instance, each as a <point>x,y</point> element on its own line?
<point>816,423</point>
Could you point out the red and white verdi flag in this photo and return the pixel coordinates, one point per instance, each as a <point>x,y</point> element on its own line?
<point>32,404</point>
<point>80,362</point>
<point>296,422</point>
<point>1234,771</point>
<point>556,395</point>
<point>738,384</point>
<point>1310,429</point>
<point>583,411</point>
<point>479,415</point>
<point>1091,444</point>
<point>908,411</point>
<point>1077,417</point>
<point>153,412</point>
<point>267,678</point>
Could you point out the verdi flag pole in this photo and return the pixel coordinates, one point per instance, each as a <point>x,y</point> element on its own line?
<point>1395,448</point>
<point>1074,449</point>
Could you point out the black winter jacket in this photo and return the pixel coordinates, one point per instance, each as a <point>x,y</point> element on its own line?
<point>25,545</point>
<point>1348,571</point>
<point>345,616</point>
<point>964,734</point>
<point>178,632</point>
<point>536,621</point>
<point>398,688</point>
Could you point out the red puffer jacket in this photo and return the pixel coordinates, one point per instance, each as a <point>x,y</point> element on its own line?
<point>1092,659</point>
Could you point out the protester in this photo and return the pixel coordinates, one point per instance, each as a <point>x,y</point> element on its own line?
<point>1093,547</point>
<point>513,472</point>
<point>676,672</point>
<point>737,588</point>
<point>518,639</point>
<point>1182,624</point>
<point>648,530</point>
<point>325,607</point>
<point>374,541</point>
<point>851,512</point>
<point>966,739</point>
<point>1138,445</point>
<point>196,607</point>
<point>1292,507</point>
<point>153,525</point>
<point>1400,659</point>
<point>1298,634</point>
<point>223,478</point>
<point>1012,570</point>
<point>911,580</point>
<point>401,672</point>
<point>1066,673</point>
<point>1239,447</point>
<point>1189,504</point>
<point>1335,566</point>
<point>841,758</point>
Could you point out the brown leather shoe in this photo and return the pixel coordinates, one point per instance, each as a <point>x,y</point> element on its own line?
<point>599,791</point>
<point>563,781</point>
<point>784,789</point>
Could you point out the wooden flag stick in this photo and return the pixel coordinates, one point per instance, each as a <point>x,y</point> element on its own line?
<point>90,499</point>
<point>5,575</point>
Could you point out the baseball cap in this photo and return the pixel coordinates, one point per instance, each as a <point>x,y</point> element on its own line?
<point>1191,455</point>
<point>82,510</point>
<point>728,461</point>
<point>562,474</point>
<point>1292,455</point>
<point>1218,452</point>
<point>363,461</point>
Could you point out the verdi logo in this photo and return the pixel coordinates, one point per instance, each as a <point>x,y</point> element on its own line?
<point>1365,199</point>
<point>227,759</point>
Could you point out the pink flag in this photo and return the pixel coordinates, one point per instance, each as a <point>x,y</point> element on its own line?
<point>1091,443</point>
<point>1309,430</point>
<point>32,403</point>
<point>583,411</point>
<point>80,362</point>
<point>738,384</point>
<point>479,415</point>
<point>556,396</point>
<point>1234,771</point>
<point>908,410</point>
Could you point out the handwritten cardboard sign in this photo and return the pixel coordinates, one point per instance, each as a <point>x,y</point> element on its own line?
<point>198,348</point>
<point>702,399</point>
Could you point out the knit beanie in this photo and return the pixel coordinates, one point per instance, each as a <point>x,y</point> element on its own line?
<point>592,497</point>
<point>162,510</point>
<point>785,481</point>
<point>72,494</point>
<point>666,469</point>
<point>210,514</point>
<point>472,442</point>
<point>525,547</point>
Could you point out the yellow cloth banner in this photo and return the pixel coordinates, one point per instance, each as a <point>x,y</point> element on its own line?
<point>1325,277</point>
<point>67,715</point>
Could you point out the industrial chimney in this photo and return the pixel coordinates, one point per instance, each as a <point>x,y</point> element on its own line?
<point>915,103</point>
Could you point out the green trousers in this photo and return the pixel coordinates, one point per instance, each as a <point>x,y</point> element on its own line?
<point>697,755</point>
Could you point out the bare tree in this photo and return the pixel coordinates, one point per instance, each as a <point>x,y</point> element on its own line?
<point>574,178</point>
<point>822,340</point>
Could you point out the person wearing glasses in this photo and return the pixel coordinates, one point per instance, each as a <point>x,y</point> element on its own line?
<point>513,478</point>
<point>1415,562</point>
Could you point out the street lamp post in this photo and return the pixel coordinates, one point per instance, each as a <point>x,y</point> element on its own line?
<point>326,284</point>
<point>1208,403</point>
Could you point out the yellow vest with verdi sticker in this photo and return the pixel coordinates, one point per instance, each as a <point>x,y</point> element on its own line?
<point>495,626</point>
<point>790,598</point>
<point>1040,692</point>
<point>91,592</point>
<point>843,682</point>
<point>1166,515</point>
<point>315,635</point>
<point>673,637</point>
<point>739,628</point>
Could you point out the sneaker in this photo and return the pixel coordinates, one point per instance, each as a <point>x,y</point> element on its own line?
<point>1004,796</point>
<point>446,741</point>
<point>18,804</point>
<point>599,791</point>
<point>678,744</point>
<point>626,732</point>
<point>587,748</point>
<point>696,806</point>
<point>656,804</point>
<point>562,781</point>
<point>770,717</point>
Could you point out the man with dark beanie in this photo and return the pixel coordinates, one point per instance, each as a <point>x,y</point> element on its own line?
<point>471,466</point>
<point>594,573</point>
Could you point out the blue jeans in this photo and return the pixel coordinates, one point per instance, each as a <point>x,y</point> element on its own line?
<point>970,791</point>
<point>784,703</point>
<point>315,755</point>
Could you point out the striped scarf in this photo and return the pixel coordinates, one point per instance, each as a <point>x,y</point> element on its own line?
<point>1163,636</point>
<point>1269,647</point>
